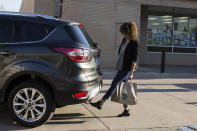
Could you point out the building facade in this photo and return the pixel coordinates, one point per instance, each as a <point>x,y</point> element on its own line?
<point>168,26</point>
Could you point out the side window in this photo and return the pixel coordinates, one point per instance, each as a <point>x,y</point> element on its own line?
<point>5,31</point>
<point>27,31</point>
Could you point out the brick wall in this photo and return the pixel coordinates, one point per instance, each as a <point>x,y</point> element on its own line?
<point>27,6</point>
<point>46,7</point>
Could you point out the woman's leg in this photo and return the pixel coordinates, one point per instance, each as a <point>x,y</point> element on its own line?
<point>126,107</point>
<point>120,77</point>
<point>125,112</point>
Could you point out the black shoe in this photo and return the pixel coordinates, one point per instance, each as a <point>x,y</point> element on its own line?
<point>124,114</point>
<point>98,104</point>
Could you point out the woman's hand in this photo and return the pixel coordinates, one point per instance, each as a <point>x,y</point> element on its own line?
<point>131,77</point>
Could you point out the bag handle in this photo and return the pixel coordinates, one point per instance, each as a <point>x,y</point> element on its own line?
<point>130,81</point>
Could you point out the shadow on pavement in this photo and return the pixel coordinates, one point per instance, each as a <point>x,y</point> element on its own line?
<point>155,90</point>
<point>163,90</point>
<point>153,75</point>
<point>184,87</point>
<point>164,76</point>
<point>75,116</point>
<point>189,86</point>
<point>66,116</point>
<point>65,122</point>
<point>193,103</point>
<point>6,123</point>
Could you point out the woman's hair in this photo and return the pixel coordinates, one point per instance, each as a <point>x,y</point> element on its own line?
<point>129,29</point>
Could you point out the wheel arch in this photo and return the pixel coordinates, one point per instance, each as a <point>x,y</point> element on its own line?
<point>27,75</point>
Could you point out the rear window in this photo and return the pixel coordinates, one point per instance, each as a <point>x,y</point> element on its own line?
<point>79,34</point>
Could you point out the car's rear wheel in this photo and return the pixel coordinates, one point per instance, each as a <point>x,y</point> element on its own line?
<point>31,103</point>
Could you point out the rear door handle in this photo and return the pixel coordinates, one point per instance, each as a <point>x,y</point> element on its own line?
<point>6,53</point>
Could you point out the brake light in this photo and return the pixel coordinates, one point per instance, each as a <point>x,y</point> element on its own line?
<point>79,95</point>
<point>75,54</point>
<point>81,25</point>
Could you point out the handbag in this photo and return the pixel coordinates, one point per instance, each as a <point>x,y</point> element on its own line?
<point>126,93</point>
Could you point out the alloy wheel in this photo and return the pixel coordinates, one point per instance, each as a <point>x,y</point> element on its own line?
<point>29,104</point>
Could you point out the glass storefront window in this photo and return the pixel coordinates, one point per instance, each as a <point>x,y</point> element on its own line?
<point>172,34</point>
<point>192,33</point>
<point>181,35</point>
<point>160,30</point>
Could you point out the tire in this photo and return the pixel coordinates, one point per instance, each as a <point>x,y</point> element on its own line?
<point>36,110</point>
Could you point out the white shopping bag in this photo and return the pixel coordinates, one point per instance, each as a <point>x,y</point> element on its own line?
<point>126,93</point>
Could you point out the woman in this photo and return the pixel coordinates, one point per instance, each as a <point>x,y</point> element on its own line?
<point>128,53</point>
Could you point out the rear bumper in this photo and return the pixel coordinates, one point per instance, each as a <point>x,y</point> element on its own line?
<point>66,97</point>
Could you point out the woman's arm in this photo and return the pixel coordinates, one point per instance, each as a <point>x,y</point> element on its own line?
<point>132,70</point>
<point>134,60</point>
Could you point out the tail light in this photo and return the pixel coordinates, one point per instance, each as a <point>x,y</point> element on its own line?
<point>75,54</point>
<point>79,95</point>
<point>81,25</point>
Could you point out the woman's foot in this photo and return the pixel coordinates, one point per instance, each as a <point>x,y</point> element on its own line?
<point>98,104</point>
<point>124,114</point>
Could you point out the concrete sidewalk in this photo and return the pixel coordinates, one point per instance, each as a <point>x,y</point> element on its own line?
<point>165,102</point>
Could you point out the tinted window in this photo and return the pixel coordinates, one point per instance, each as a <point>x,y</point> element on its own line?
<point>27,31</point>
<point>5,31</point>
<point>79,34</point>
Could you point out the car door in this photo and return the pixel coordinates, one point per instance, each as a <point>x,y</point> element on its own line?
<point>10,52</point>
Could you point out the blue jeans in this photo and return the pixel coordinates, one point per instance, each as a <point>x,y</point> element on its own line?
<point>120,77</point>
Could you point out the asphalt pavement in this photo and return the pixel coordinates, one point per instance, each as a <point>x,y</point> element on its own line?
<point>166,102</point>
